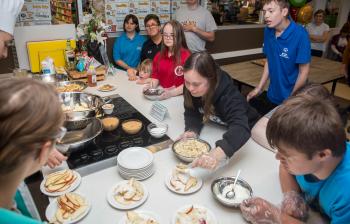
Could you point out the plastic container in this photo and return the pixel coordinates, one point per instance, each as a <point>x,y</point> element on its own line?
<point>91,76</point>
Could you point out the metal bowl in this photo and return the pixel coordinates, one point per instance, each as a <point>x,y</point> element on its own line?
<point>220,186</point>
<point>76,139</point>
<point>70,86</point>
<point>48,78</point>
<point>79,119</point>
<point>152,93</point>
<point>186,158</point>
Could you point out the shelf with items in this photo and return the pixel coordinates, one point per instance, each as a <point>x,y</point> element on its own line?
<point>64,11</point>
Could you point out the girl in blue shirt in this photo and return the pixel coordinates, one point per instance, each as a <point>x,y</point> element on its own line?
<point>127,47</point>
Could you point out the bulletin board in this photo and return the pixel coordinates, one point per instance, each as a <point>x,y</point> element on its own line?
<point>116,10</point>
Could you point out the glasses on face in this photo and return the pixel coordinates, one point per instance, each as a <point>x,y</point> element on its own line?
<point>151,26</point>
<point>168,36</point>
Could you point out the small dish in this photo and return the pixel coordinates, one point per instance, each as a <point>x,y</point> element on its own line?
<point>143,214</point>
<point>106,88</point>
<point>52,208</point>
<point>134,158</point>
<point>194,213</point>
<point>152,93</point>
<point>131,204</point>
<point>72,186</point>
<point>132,126</point>
<point>157,130</point>
<point>108,108</point>
<point>181,189</point>
<point>222,185</point>
<point>190,148</point>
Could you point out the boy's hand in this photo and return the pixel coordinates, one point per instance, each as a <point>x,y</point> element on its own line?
<point>294,205</point>
<point>255,92</point>
<point>258,210</point>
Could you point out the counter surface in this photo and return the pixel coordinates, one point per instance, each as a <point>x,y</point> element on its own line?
<point>258,165</point>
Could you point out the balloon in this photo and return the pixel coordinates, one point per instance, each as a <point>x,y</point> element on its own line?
<point>305,14</point>
<point>293,13</point>
<point>297,3</point>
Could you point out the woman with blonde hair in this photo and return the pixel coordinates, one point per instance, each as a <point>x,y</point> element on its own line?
<point>168,63</point>
<point>31,121</point>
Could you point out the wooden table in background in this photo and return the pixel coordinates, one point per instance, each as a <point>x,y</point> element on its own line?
<point>321,71</point>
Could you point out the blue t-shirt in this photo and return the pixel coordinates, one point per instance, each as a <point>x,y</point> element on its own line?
<point>284,55</point>
<point>128,50</point>
<point>332,195</point>
<point>10,217</point>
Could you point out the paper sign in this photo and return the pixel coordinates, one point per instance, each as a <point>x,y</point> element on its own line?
<point>158,111</point>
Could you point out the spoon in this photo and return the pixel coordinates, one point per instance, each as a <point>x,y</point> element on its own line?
<point>231,194</point>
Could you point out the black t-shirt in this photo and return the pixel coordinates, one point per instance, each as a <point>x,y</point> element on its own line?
<point>149,49</point>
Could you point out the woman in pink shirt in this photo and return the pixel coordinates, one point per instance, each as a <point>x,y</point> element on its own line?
<point>168,63</point>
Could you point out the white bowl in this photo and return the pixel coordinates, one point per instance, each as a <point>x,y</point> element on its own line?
<point>108,108</point>
<point>157,130</point>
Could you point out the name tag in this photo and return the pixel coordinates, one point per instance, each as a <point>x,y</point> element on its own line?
<point>158,111</point>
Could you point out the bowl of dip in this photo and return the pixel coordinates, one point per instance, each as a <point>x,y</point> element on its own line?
<point>222,185</point>
<point>157,130</point>
<point>108,108</point>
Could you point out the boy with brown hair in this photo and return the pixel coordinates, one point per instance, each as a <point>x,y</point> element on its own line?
<point>288,55</point>
<point>315,164</point>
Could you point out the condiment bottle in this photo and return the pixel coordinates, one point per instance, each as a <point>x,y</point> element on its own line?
<point>70,56</point>
<point>91,75</point>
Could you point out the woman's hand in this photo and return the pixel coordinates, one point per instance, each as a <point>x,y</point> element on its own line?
<point>255,92</point>
<point>212,160</point>
<point>188,134</point>
<point>55,158</point>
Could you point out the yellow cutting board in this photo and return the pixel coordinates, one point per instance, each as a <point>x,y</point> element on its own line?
<point>39,50</point>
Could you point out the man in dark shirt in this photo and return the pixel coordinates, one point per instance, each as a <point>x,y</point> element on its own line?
<point>152,46</point>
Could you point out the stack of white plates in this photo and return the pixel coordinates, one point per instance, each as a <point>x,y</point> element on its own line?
<point>135,162</point>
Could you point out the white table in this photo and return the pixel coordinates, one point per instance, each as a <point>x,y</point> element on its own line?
<point>258,165</point>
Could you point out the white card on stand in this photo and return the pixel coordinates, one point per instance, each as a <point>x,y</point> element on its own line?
<point>158,111</point>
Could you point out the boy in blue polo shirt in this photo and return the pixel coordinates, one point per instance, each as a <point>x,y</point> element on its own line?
<point>309,136</point>
<point>287,49</point>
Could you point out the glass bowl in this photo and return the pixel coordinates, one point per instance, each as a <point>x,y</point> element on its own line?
<point>157,130</point>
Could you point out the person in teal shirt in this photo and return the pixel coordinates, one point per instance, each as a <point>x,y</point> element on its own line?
<point>31,122</point>
<point>127,47</point>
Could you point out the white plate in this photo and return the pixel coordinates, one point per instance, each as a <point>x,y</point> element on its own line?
<point>147,168</point>
<point>135,158</point>
<point>127,177</point>
<point>115,204</point>
<point>72,187</point>
<point>143,214</point>
<point>102,90</point>
<point>53,206</point>
<point>211,219</point>
<point>181,191</point>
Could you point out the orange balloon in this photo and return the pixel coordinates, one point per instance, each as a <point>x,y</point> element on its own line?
<point>305,14</point>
